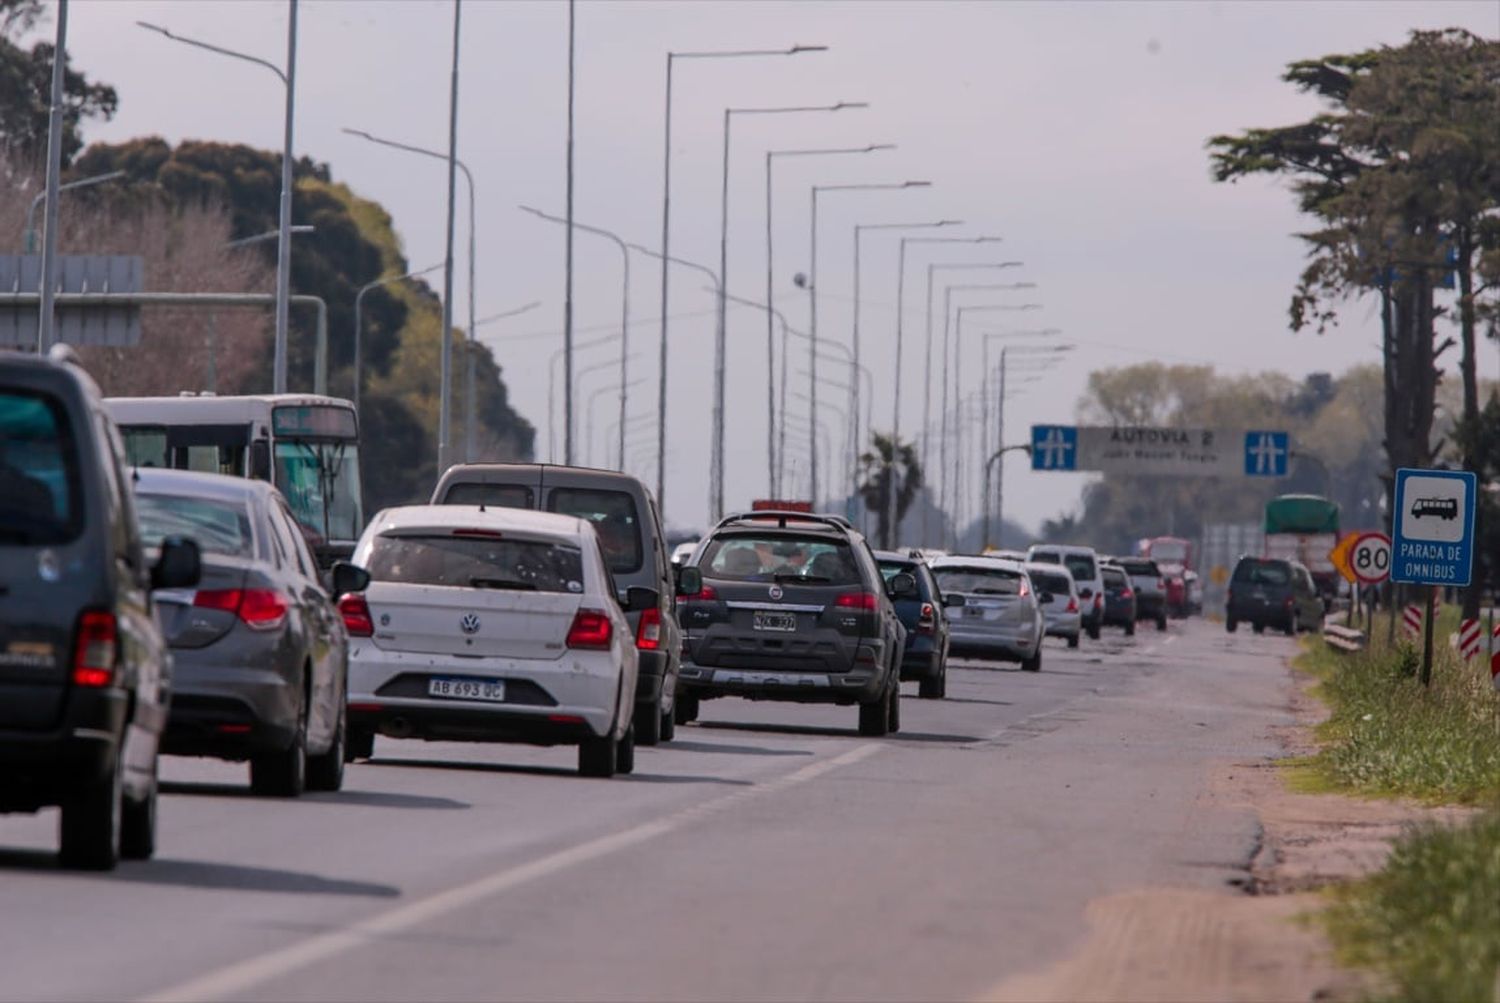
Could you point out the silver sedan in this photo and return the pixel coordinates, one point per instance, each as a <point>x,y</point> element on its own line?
<point>1000,616</point>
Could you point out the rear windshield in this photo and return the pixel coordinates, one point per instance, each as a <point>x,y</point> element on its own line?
<point>1115,576</point>
<point>979,581</point>
<point>41,500</point>
<point>1262,573</point>
<point>1140,568</point>
<point>498,495</point>
<point>1056,584</point>
<point>755,557</point>
<point>476,562</point>
<point>1081,567</point>
<point>614,518</point>
<point>220,527</point>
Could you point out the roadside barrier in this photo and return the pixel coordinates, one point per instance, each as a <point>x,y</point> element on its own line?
<point>1411,622</point>
<point>1345,639</point>
<point>1470,634</point>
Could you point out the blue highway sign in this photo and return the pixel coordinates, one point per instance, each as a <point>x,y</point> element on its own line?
<point>1433,542</point>
<point>1267,453</point>
<point>1054,447</point>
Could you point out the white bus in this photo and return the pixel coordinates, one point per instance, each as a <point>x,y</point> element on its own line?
<point>306,444</point>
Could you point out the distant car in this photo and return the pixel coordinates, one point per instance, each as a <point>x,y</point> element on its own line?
<point>624,516</point>
<point>1266,592</point>
<point>792,606</point>
<point>259,648</point>
<point>926,622</point>
<point>1083,564</point>
<point>1006,555</point>
<point>1150,588</point>
<point>1000,617</point>
<point>491,624</point>
<point>1119,599</point>
<point>683,552</point>
<point>85,674</point>
<point>1058,597</point>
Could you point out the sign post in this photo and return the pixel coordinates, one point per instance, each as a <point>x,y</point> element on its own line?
<point>1434,537</point>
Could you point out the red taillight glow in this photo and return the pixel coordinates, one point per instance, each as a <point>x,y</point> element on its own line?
<point>483,534</point>
<point>1127,594</point>
<point>1025,590</point>
<point>858,600</point>
<point>591,630</point>
<point>565,719</point>
<point>927,619</point>
<point>1072,605</point>
<point>648,633</point>
<point>94,649</point>
<point>261,609</point>
<point>705,594</point>
<point>1161,585</point>
<point>1097,600</point>
<point>234,729</point>
<point>356,614</point>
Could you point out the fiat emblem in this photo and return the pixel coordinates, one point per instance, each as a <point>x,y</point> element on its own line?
<point>469,624</point>
<point>776,592</point>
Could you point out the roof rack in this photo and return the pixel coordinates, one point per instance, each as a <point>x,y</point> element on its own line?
<point>782,518</point>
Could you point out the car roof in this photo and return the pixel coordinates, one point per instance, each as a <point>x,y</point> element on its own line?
<point>899,556</point>
<point>159,480</point>
<point>997,563</point>
<point>1066,548</point>
<point>494,517</point>
<point>1051,570</point>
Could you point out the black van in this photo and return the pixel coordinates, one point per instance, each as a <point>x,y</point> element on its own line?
<point>623,513</point>
<point>84,672</point>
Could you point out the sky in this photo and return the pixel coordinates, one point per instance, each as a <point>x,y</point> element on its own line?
<point>1074,131</point>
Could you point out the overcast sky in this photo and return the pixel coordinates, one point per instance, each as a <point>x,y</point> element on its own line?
<point>1074,130</point>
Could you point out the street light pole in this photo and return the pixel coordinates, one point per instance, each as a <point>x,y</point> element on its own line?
<point>28,237</point>
<point>986,447</point>
<point>666,233</point>
<point>48,315</point>
<point>359,302</point>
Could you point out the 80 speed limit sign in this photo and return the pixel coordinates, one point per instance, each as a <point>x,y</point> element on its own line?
<point>1370,558</point>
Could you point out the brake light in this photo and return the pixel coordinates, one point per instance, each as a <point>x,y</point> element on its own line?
<point>1025,590</point>
<point>591,629</point>
<point>648,633</point>
<point>1072,605</point>
<point>356,614</point>
<point>482,534</point>
<point>705,594</point>
<point>858,600</point>
<point>1161,584</point>
<point>1097,600</point>
<point>94,647</point>
<point>926,620</point>
<point>1127,594</point>
<point>260,609</point>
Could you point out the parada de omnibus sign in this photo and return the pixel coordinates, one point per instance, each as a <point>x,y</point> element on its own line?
<point>1161,451</point>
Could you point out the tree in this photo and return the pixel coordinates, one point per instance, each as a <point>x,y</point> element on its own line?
<point>889,464</point>
<point>26,89</point>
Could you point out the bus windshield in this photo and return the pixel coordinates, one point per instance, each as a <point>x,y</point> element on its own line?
<point>320,480</point>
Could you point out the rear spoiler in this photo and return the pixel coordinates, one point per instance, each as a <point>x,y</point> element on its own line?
<point>782,517</point>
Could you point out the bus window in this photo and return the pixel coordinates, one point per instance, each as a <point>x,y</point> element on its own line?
<point>145,446</point>
<point>320,481</point>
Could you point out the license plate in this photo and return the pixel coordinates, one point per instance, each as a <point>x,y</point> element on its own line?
<point>490,690</point>
<point>783,622</point>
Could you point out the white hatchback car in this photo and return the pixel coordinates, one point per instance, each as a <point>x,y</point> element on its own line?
<point>491,625</point>
<point>1083,564</point>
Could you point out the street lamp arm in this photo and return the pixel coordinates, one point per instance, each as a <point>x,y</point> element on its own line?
<point>577,226</point>
<point>214,48</point>
<point>733,53</point>
<point>712,275</point>
<point>516,311</point>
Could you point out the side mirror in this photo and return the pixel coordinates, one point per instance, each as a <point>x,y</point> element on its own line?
<point>180,565</point>
<point>260,460</point>
<point>638,598</point>
<point>344,577</point>
<point>1044,597</point>
<point>1085,593</point>
<point>952,601</point>
<point>901,586</point>
<point>689,581</point>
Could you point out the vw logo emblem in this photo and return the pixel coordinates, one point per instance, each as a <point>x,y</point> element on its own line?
<point>469,624</point>
<point>775,592</point>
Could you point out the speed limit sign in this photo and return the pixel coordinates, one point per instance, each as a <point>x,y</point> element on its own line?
<point>1370,558</point>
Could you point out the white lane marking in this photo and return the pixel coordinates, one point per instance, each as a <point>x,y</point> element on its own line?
<point>1170,639</point>
<point>243,975</point>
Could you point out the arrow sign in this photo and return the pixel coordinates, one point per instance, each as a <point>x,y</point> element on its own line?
<point>1339,555</point>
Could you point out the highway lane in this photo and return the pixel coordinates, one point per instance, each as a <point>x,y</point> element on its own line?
<point>770,852</point>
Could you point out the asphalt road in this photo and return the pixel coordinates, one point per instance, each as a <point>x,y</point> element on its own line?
<point>768,853</point>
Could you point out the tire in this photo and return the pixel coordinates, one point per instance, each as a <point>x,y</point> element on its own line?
<point>685,709</point>
<point>282,774</point>
<point>668,725</point>
<point>1130,629</point>
<point>875,716</point>
<point>893,719</point>
<point>326,772</point>
<point>359,744</point>
<point>1231,625</point>
<point>138,826</point>
<point>1291,627</point>
<point>89,832</point>
<point>1259,628</point>
<point>1034,663</point>
<point>625,751</point>
<point>943,682</point>
<point>1094,632</point>
<point>596,757</point>
<point>1073,641</point>
<point>1161,624</point>
<point>930,689</point>
<point>647,723</point>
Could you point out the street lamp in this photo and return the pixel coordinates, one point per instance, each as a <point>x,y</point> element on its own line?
<point>770,285</point>
<point>812,288</point>
<point>1047,356</point>
<point>288,78</point>
<point>28,245</point>
<point>359,302</point>
<point>665,255</point>
<point>624,301</point>
<point>260,238</point>
<point>716,477</point>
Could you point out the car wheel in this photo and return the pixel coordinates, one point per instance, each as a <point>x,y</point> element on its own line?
<point>1073,641</point>
<point>282,774</point>
<point>1130,629</point>
<point>1161,624</point>
<point>943,682</point>
<point>1094,632</point>
<point>647,723</point>
<point>893,722</point>
<point>875,716</point>
<point>138,825</point>
<point>685,709</point>
<point>596,757</point>
<point>1034,663</point>
<point>930,689</point>
<point>625,752</point>
<point>1231,625</point>
<point>1291,627</point>
<point>91,822</point>
<point>1259,628</point>
<point>668,725</point>
<point>359,744</point>
<point>326,772</point>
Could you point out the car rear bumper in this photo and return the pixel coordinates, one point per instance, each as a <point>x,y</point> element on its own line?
<point>1064,625</point>
<point>229,712</point>
<point>861,684</point>
<point>1014,643</point>
<point>42,768</point>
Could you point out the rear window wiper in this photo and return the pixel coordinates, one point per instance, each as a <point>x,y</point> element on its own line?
<point>502,583</point>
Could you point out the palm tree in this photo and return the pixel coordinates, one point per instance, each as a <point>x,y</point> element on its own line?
<point>889,460</point>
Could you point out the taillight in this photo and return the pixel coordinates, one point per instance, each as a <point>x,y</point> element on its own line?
<point>260,609</point>
<point>356,614</point>
<point>1025,590</point>
<point>648,633</point>
<point>1127,594</point>
<point>1072,605</point>
<point>1161,585</point>
<point>1097,600</point>
<point>705,594</point>
<point>94,646</point>
<point>927,619</point>
<point>591,629</point>
<point>858,600</point>
<point>1287,602</point>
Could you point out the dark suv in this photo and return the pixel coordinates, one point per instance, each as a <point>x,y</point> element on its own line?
<point>792,606</point>
<point>926,622</point>
<point>84,673</point>
<point>1274,593</point>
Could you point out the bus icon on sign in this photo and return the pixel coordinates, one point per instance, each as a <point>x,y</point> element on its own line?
<point>1442,508</point>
